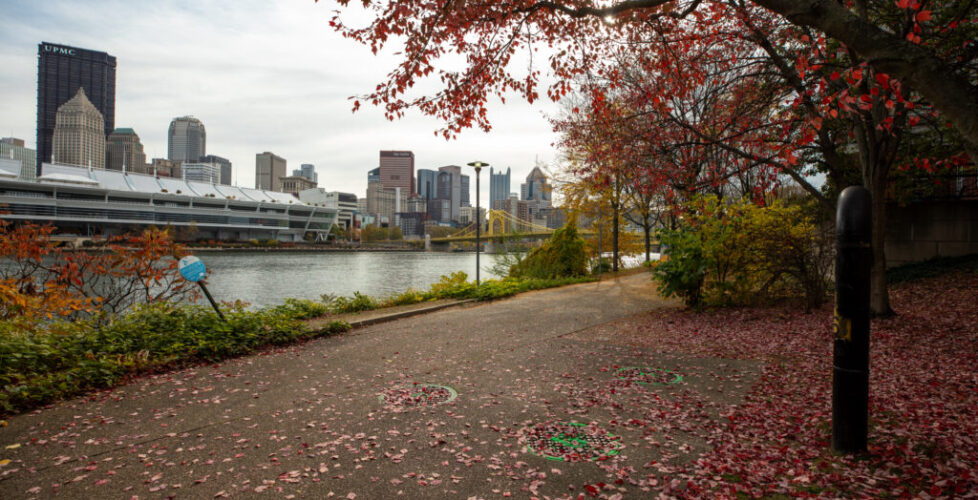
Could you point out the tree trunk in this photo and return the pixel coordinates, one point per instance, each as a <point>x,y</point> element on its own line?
<point>614,236</point>
<point>648,242</point>
<point>879,297</point>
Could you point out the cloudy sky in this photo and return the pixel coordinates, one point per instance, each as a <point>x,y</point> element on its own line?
<point>261,76</point>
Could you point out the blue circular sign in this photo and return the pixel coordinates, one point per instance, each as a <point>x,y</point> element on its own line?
<point>192,268</point>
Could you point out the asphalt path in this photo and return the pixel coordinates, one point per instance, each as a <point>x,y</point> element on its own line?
<point>537,408</point>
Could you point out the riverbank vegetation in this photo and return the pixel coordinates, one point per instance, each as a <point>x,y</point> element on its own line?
<point>76,321</point>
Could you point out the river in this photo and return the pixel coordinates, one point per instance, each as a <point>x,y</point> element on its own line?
<point>267,278</point>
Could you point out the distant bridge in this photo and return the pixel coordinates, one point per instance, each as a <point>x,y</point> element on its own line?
<point>501,226</point>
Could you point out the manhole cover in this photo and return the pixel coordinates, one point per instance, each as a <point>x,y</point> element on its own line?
<point>648,375</point>
<point>418,395</point>
<point>570,442</point>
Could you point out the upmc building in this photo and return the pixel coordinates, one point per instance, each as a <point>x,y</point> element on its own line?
<point>60,71</point>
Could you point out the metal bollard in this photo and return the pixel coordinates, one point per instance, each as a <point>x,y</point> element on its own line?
<point>854,259</point>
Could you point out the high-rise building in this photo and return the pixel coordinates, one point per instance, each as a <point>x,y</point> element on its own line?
<point>123,149</point>
<point>450,189</point>
<point>186,140</point>
<point>384,203</point>
<point>498,187</point>
<point>536,188</point>
<point>269,170</point>
<point>61,71</point>
<point>427,184</point>
<point>464,200</point>
<point>397,170</point>
<point>307,170</point>
<point>373,175</point>
<point>13,149</point>
<point>223,163</point>
<point>79,134</point>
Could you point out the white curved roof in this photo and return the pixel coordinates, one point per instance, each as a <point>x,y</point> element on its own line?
<point>173,185</point>
<point>67,179</point>
<point>110,179</point>
<point>235,193</point>
<point>141,183</point>
<point>284,198</point>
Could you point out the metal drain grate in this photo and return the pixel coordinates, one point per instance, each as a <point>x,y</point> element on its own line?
<point>418,395</point>
<point>649,376</point>
<point>570,442</point>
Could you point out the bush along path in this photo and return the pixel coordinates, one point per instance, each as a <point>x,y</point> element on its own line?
<point>43,362</point>
<point>923,439</point>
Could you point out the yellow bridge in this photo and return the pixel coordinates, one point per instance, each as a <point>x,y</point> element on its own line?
<point>501,224</point>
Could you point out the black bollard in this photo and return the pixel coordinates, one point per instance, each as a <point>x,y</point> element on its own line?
<point>854,259</point>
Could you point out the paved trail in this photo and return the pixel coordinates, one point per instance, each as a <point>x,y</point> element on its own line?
<point>307,422</point>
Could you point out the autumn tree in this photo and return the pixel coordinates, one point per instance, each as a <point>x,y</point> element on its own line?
<point>487,35</point>
<point>40,281</point>
<point>853,74</point>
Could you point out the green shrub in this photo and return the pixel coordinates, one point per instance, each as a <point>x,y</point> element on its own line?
<point>682,269</point>
<point>407,297</point>
<point>563,255</point>
<point>42,362</point>
<point>359,302</point>
<point>734,254</point>
<point>453,286</point>
<point>303,308</point>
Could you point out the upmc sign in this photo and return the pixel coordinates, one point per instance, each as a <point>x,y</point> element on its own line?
<point>54,49</point>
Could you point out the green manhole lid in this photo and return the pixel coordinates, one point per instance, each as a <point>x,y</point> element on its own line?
<point>571,442</point>
<point>418,395</point>
<point>648,375</point>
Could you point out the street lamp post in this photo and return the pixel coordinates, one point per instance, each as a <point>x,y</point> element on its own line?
<point>478,216</point>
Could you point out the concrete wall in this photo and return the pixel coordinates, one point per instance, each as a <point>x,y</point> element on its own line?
<point>924,230</point>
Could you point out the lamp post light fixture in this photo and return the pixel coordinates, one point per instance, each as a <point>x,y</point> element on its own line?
<point>478,216</point>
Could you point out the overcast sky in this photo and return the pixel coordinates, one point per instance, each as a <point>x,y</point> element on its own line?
<point>261,76</point>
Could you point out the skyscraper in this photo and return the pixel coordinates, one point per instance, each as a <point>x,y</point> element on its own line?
<point>61,71</point>
<point>427,184</point>
<point>464,200</point>
<point>536,188</point>
<point>269,170</point>
<point>498,187</point>
<point>307,170</point>
<point>450,190</point>
<point>397,170</point>
<point>187,139</point>
<point>123,148</point>
<point>223,163</point>
<point>79,134</point>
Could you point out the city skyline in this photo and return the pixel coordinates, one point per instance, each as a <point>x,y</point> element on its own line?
<point>256,90</point>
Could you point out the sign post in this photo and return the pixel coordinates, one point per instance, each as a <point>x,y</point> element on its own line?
<point>192,269</point>
<point>850,381</point>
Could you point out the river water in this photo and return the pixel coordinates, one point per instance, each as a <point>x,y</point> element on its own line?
<point>267,278</point>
